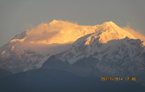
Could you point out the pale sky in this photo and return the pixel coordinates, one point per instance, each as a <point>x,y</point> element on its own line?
<point>17,15</point>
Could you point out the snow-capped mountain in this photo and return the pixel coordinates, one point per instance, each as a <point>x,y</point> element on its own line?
<point>113,57</point>
<point>110,50</point>
<point>106,39</point>
<point>106,42</point>
<point>31,48</point>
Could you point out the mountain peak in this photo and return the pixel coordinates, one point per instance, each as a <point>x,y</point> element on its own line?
<point>55,21</point>
<point>109,24</point>
<point>109,31</point>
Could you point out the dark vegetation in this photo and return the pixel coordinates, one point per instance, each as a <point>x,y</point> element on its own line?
<point>44,80</point>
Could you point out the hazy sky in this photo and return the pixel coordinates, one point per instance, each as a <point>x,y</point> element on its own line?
<point>17,15</point>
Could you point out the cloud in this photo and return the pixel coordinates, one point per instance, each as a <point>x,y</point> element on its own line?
<point>57,31</point>
<point>135,33</point>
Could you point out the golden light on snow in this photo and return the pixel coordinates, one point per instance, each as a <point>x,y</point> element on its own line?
<point>58,35</point>
<point>64,32</point>
<point>16,40</point>
<point>110,31</point>
<point>60,32</point>
<point>136,34</point>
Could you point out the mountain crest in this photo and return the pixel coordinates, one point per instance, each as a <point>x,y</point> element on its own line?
<point>109,23</point>
<point>54,22</point>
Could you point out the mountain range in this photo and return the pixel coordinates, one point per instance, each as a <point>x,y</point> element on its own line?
<point>100,50</point>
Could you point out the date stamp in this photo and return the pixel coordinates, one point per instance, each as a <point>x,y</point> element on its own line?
<point>118,79</point>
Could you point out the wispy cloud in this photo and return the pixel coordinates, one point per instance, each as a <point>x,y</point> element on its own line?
<point>56,31</point>
<point>135,33</point>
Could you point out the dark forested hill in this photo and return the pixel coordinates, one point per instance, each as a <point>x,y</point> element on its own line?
<point>48,80</point>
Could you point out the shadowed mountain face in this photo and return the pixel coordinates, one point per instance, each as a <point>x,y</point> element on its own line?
<point>93,67</point>
<point>49,80</point>
<point>80,68</point>
<point>54,62</point>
